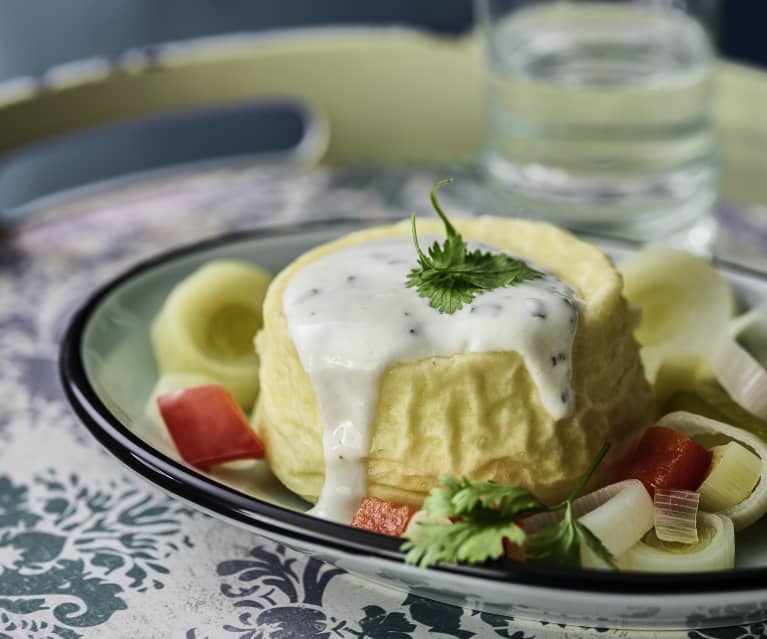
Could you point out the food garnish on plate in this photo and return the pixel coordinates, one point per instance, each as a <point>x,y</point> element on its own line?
<point>480,382</point>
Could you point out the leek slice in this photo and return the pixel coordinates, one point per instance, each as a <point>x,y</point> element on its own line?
<point>750,330</point>
<point>618,514</point>
<point>686,304</point>
<point>714,550</point>
<point>705,430</point>
<point>738,371</point>
<point>208,323</point>
<point>676,515</point>
<point>680,372</point>
<point>732,477</point>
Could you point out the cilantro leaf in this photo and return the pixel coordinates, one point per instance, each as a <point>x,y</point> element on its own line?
<point>460,541</point>
<point>462,498</point>
<point>484,516</point>
<point>450,275</point>
<point>556,543</point>
<point>471,521</point>
<point>560,543</point>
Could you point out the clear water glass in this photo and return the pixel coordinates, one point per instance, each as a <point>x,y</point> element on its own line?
<point>598,115</point>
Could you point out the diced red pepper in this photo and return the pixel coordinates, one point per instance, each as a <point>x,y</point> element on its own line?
<point>208,427</point>
<point>381,516</point>
<point>666,458</point>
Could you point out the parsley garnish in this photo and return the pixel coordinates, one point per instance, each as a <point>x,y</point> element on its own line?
<point>451,275</point>
<point>483,516</point>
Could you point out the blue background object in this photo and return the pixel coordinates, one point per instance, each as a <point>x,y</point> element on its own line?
<point>38,34</point>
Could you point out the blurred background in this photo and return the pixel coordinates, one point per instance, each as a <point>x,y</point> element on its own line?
<point>36,35</point>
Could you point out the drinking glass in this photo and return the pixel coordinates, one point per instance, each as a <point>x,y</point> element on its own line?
<point>598,114</point>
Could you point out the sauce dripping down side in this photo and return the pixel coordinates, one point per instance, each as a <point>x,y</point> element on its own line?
<point>350,317</point>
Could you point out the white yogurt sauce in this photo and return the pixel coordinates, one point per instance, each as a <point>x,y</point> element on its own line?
<point>351,316</point>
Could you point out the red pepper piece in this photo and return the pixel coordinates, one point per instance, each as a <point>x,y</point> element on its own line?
<point>208,427</point>
<point>666,458</point>
<point>381,516</point>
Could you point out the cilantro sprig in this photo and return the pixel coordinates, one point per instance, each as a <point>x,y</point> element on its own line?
<point>471,521</point>
<point>451,275</point>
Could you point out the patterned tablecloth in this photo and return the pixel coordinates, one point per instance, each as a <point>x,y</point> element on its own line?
<point>87,549</point>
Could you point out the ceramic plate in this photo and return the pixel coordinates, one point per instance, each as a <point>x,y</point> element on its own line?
<point>108,372</point>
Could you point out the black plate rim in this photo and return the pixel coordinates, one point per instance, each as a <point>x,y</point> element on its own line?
<point>213,496</point>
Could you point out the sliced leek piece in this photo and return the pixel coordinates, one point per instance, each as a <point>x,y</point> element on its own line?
<point>618,514</point>
<point>702,429</point>
<point>680,372</point>
<point>686,304</point>
<point>732,477</point>
<point>676,515</point>
<point>750,330</point>
<point>620,522</point>
<point>208,323</point>
<point>740,373</point>
<point>714,550</point>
